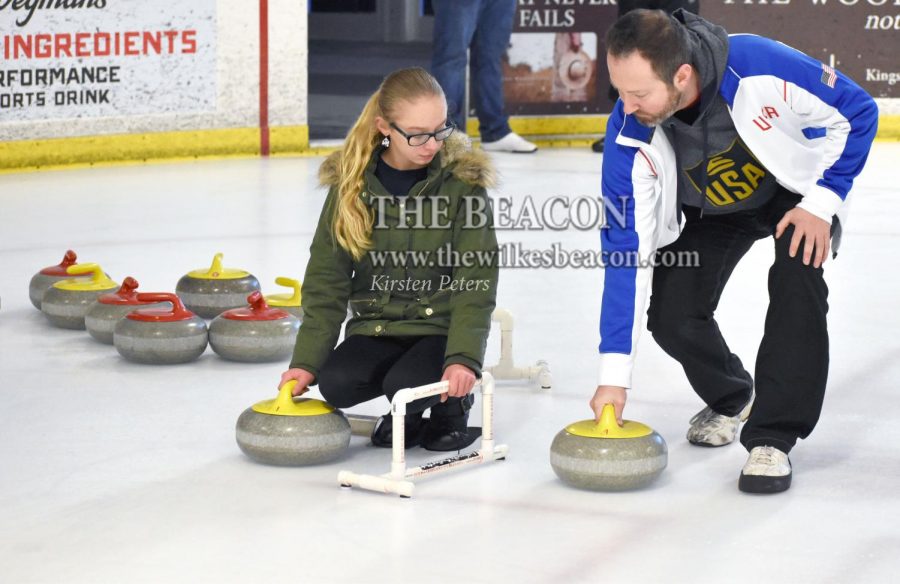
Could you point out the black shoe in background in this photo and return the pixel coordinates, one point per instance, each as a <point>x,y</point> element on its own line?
<point>448,433</point>
<point>383,434</point>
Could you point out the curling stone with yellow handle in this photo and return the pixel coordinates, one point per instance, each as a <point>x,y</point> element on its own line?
<point>66,303</point>
<point>50,275</point>
<point>108,309</point>
<point>603,456</point>
<point>211,292</point>
<point>287,302</point>
<point>255,333</point>
<point>161,337</point>
<point>288,431</point>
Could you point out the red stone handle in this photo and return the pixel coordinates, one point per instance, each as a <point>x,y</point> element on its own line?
<point>257,302</point>
<point>70,259</point>
<point>128,289</point>
<point>178,309</point>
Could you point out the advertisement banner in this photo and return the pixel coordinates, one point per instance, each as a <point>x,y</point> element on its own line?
<point>63,59</point>
<point>860,38</point>
<point>556,62</point>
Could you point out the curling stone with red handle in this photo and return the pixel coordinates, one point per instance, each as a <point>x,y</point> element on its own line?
<point>161,337</point>
<point>66,303</point>
<point>292,432</point>
<point>287,302</point>
<point>105,312</point>
<point>211,292</point>
<point>254,334</point>
<point>604,456</point>
<point>42,281</point>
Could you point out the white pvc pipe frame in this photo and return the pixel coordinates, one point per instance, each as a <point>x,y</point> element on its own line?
<point>506,368</point>
<point>398,480</point>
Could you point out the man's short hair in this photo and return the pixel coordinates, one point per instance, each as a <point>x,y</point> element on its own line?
<point>656,36</point>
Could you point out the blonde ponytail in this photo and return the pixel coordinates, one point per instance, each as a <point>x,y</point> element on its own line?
<point>353,219</point>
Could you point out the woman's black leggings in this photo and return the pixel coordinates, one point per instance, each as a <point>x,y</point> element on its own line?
<point>363,368</point>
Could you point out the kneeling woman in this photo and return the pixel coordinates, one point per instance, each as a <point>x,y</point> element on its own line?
<point>406,237</point>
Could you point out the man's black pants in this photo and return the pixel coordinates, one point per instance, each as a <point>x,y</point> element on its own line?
<point>792,363</point>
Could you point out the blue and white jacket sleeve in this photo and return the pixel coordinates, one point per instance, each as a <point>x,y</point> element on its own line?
<point>819,143</point>
<point>631,196</point>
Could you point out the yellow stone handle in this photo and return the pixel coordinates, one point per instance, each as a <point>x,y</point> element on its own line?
<point>291,283</point>
<point>608,427</point>
<point>284,404</point>
<point>95,270</point>
<point>608,420</point>
<point>285,396</point>
<point>217,272</point>
<point>216,267</point>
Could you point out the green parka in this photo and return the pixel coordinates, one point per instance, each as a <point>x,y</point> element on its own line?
<point>427,292</point>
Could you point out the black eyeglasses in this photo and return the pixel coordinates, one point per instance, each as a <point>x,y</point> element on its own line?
<point>421,139</point>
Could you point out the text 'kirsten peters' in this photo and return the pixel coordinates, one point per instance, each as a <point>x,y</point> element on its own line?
<point>384,283</point>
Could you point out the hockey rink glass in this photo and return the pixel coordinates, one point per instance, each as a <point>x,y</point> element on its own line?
<point>421,139</point>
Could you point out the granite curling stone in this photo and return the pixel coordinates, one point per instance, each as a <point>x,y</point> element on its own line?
<point>254,334</point>
<point>209,293</point>
<point>288,302</point>
<point>108,309</point>
<point>606,457</point>
<point>67,302</point>
<point>161,337</point>
<point>292,432</point>
<point>50,275</point>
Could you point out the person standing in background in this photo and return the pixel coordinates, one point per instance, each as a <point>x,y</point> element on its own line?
<point>484,26</point>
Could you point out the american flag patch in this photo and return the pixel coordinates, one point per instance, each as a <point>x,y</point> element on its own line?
<point>829,77</point>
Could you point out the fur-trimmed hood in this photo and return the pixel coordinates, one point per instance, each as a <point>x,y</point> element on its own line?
<point>457,157</point>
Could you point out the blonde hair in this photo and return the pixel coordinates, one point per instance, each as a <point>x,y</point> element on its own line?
<point>353,219</point>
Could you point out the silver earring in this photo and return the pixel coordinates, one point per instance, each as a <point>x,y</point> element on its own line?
<point>386,142</point>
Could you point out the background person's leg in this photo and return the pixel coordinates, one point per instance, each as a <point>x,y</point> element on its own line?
<point>495,24</point>
<point>454,27</point>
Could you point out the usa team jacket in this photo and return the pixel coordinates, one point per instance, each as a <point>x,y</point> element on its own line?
<point>811,126</point>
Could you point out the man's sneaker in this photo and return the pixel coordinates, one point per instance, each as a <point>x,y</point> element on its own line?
<point>711,429</point>
<point>768,470</point>
<point>512,142</point>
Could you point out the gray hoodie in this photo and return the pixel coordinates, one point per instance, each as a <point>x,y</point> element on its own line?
<point>733,179</point>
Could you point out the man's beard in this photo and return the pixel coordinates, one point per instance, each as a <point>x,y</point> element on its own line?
<point>671,108</point>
